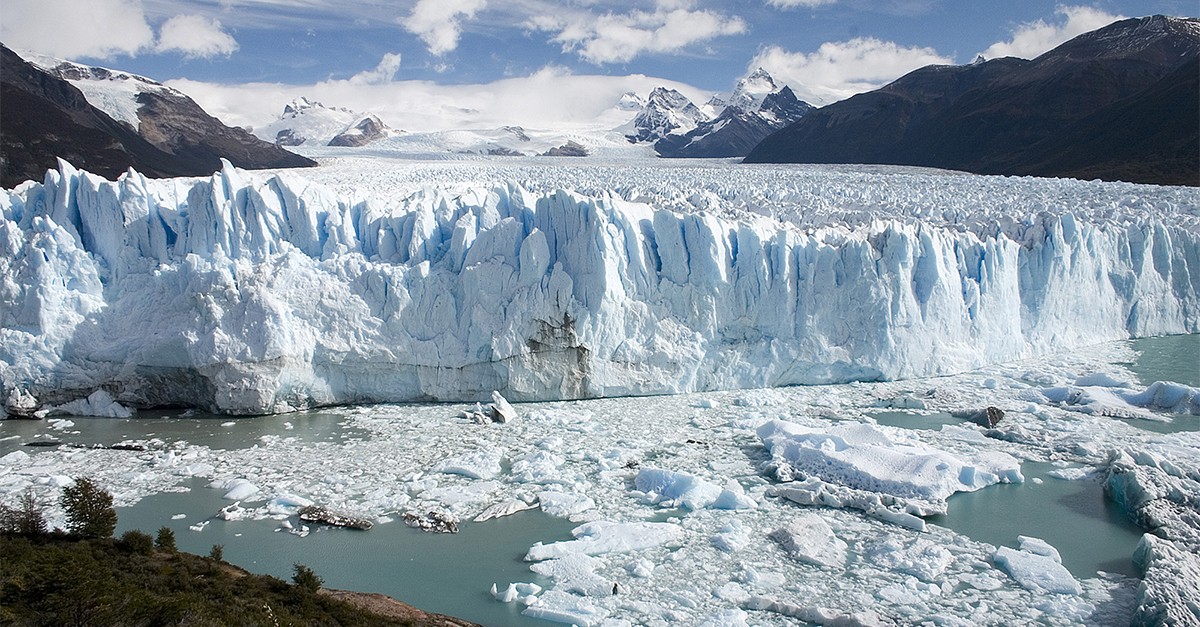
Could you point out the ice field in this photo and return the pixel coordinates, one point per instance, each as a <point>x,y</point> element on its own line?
<point>253,293</point>
<point>681,504</point>
<point>719,353</point>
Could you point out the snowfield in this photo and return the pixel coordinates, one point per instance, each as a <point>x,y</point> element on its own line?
<point>374,280</point>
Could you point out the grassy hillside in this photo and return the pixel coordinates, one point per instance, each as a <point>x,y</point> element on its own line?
<point>54,579</point>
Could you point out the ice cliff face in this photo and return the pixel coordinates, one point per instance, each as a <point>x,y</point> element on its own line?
<point>247,296</point>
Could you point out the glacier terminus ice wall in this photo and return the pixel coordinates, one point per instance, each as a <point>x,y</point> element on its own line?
<point>247,296</point>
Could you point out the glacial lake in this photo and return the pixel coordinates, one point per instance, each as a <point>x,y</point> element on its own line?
<point>445,573</point>
<point>452,573</point>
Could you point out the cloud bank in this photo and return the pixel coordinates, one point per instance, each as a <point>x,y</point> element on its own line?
<point>549,99</point>
<point>1031,39</point>
<point>621,37</point>
<point>195,36</point>
<point>838,70</point>
<point>104,29</point>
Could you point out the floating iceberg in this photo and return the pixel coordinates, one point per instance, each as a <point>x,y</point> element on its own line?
<point>863,457</point>
<point>1037,567</point>
<point>247,294</point>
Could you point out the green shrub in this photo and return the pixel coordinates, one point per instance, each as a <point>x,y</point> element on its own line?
<point>217,552</point>
<point>138,542</point>
<point>305,578</point>
<point>89,509</point>
<point>165,540</point>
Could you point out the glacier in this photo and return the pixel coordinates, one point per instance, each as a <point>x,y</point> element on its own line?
<point>248,293</point>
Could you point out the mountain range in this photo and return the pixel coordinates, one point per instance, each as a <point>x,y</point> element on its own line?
<point>108,121</point>
<point>756,108</point>
<point>1118,103</point>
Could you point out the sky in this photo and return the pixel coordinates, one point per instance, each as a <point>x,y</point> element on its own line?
<point>244,59</point>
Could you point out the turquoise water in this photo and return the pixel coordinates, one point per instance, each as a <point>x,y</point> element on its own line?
<point>914,420</point>
<point>217,432</point>
<point>446,573</point>
<point>1090,532</point>
<point>1174,358</point>
<point>1169,358</point>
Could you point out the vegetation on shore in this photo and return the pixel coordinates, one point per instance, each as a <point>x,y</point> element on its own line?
<point>83,576</point>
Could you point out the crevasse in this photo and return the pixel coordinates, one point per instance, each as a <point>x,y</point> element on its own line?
<point>248,297</point>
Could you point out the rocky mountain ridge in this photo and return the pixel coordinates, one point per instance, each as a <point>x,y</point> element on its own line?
<point>1118,103</point>
<point>116,121</point>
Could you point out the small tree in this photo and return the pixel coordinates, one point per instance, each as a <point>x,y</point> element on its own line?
<point>217,552</point>
<point>89,509</point>
<point>305,578</point>
<point>137,541</point>
<point>165,540</point>
<point>26,518</point>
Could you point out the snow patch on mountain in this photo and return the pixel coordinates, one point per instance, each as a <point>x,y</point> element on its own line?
<point>112,91</point>
<point>308,123</point>
<point>666,110</point>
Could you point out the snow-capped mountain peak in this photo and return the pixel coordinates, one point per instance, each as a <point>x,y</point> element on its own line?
<point>310,123</point>
<point>666,111</point>
<point>750,91</point>
<point>756,108</point>
<point>630,102</point>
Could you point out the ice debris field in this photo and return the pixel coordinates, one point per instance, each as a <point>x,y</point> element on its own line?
<point>933,292</point>
<point>729,508</point>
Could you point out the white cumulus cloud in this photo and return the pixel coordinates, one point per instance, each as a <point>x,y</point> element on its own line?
<point>438,22</point>
<point>195,36</point>
<point>385,72</point>
<point>1034,38</point>
<point>618,38</point>
<point>76,28</point>
<point>838,70</point>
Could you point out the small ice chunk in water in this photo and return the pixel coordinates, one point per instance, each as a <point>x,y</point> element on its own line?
<point>921,558</point>
<point>1039,547</point>
<point>565,504</point>
<point>481,463</point>
<point>236,489</point>
<point>603,536</point>
<point>732,537</point>
<point>575,573</point>
<point>676,488</point>
<point>15,458</point>
<point>501,411</point>
<point>1037,567</point>
<point>561,607</point>
<point>99,403</point>
<point>524,593</point>
<point>538,467</point>
<point>670,488</point>
<point>503,508</point>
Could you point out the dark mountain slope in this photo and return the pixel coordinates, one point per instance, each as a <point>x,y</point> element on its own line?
<point>1012,116</point>
<point>44,117</point>
<point>1142,138</point>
